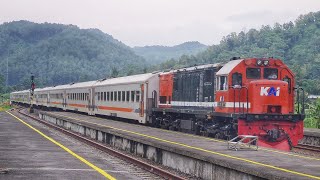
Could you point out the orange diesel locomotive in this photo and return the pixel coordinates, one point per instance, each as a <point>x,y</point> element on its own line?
<point>253,96</point>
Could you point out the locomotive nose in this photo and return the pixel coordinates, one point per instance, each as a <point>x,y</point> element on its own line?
<point>269,96</point>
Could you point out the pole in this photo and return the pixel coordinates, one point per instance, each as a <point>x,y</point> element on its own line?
<point>7,76</point>
<point>31,94</point>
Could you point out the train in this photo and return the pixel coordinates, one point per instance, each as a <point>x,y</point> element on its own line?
<point>243,96</point>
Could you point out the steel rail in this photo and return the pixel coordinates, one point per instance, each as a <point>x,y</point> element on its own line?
<point>148,167</point>
<point>308,147</point>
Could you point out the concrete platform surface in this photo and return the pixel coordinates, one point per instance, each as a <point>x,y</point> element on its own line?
<point>25,154</point>
<point>267,163</point>
<point>312,132</point>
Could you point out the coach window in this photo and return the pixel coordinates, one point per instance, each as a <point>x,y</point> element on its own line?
<point>123,96</point>
<point>119,96</point>
<point>105,96</point>
<point>137,96</point>
<point>270,73</point>
<point>132,96</point>
<point>108,96</point>
<point>98,96</point>
<point>253,73</point>
<point>115,96</point>
<point>222,83</point>
<point>111,95</point>
<point>128,96</point>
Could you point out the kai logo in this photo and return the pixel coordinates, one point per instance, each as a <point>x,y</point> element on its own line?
<point>270,91</point>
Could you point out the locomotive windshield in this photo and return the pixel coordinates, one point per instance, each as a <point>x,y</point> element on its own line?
<point>270,73</point>
<point>253,73</point>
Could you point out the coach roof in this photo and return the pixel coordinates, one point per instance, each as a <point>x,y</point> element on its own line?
<point>139,78</point>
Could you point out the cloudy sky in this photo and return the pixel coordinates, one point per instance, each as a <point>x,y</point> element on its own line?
<point>159,22</point>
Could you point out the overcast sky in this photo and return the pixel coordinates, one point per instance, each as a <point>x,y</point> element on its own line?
<point>159,22</point>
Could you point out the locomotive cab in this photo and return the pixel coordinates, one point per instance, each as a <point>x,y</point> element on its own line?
<point>260,91</point>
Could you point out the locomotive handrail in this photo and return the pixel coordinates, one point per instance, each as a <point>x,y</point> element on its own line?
<point>238,87</point>
<point>298,100</point>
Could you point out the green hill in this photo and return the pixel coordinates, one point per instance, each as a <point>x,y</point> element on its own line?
<point>58,54</point>
<point>158,54</point>
<point>297,43</point>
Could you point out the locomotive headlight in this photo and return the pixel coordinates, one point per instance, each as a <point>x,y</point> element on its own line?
<point>259,62</point>
<point>266,62</point>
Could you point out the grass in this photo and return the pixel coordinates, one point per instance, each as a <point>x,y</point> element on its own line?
<point>311,123</point>
<point>4,102</point>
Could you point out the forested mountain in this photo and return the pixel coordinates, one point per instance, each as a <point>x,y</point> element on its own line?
<point>158,54</point>
<point>297,43</point>
<point>58,54</point>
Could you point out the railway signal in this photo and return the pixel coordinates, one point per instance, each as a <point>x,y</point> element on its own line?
<point>31,94</point>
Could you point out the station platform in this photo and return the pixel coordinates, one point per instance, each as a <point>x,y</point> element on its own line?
<point>312,132</point>
<point>30,150</point>
<point>311,137</point>
<point>204,157</point>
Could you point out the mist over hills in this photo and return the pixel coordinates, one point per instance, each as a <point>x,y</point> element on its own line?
<point>157,54</point>
<point>59,54</point>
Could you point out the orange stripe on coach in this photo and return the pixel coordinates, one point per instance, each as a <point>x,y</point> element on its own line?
<point>77,105</point>
<point>115,108</point>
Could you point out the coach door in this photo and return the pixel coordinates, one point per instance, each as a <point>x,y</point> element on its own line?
<point>91,101</point>
<point>64,101</point>
<point>142,100</point>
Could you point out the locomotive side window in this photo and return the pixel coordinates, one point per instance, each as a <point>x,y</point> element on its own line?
<point>222,83</point>
<point>288,80</point>
<point>253,73</point>
<point>270,73</point>
<point>236,79</point>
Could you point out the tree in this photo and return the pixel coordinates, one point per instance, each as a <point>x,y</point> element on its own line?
<point>114,72</point>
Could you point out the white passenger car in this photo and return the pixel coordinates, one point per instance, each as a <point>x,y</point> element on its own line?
<point>129,97</point>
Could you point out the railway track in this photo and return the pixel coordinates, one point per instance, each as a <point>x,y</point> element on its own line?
<point>305,147</point>
<point>144,165</point>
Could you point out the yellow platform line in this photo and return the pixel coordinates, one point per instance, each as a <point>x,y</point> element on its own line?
<point>216,140</point>
<point>102,172</point>
<point>204,150</point>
